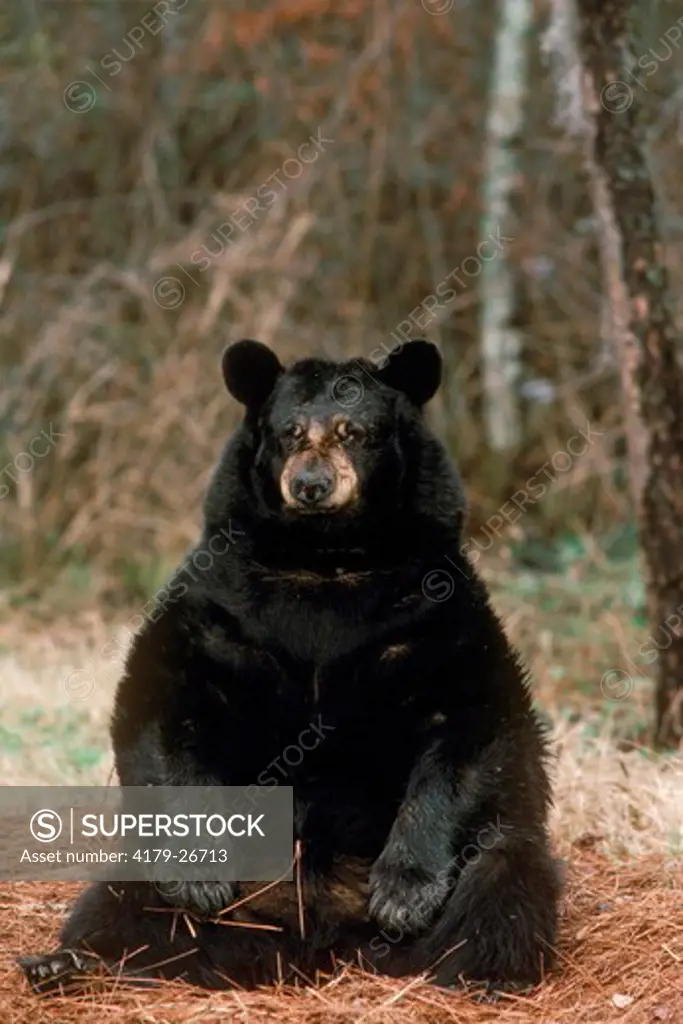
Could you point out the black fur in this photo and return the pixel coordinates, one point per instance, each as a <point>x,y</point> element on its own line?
<point>422,809</point>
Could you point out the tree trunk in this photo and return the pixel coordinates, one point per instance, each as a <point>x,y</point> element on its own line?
<point>652,380</point>
<point>500,339</point>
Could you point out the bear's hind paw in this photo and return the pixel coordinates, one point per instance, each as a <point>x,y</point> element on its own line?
<point>56,972</point>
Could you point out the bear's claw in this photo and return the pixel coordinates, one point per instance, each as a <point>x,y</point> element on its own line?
<point>55,972</point>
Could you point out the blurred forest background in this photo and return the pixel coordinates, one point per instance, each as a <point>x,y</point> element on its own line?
<point>127,139</point>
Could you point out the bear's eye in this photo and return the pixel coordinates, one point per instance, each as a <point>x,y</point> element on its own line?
<point>294,432</point>
<point>346,431</point>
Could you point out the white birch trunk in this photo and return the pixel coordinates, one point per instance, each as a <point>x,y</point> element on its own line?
<point>501,343</point>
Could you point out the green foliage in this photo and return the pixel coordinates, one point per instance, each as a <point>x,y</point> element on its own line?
<point>63,735</point>
<point>10,742</point>
<point>140,580</point>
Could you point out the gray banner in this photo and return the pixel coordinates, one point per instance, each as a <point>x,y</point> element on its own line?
<point>157,833</point>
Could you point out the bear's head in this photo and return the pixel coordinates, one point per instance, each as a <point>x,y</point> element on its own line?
<point>339,448</point>
<point>328,431</point>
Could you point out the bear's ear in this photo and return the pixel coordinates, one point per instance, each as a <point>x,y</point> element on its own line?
<point>250,370</point>
<point>414,369</point>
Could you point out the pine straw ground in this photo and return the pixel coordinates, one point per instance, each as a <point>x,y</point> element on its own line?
<point>620,959</point>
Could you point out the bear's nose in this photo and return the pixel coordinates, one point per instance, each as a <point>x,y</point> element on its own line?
<point>311,486</point>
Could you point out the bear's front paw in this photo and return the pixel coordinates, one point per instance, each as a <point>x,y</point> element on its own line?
<point>405,898</point>
<point>205,899</point>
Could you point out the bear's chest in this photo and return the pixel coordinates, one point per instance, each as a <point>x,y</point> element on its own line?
<point>344,718</point>
<point>317,622</point>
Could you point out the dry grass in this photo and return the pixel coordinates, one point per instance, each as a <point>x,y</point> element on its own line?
<point>620,960</point>
<point>628,803</point>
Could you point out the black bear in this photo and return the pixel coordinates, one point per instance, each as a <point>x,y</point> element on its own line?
<point>345,605</point>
